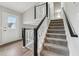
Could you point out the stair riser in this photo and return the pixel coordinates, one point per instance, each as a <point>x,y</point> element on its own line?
<point>57,50</point>
<point>53,27</point>
<point>61,32</point>
<point>56,21</point>
<point>56,25</point>
<point>62,43</point>
<point>56,36</point>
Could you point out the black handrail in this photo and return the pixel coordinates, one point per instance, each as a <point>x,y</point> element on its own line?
<point>23,36</point>
<point>69,26</point>
<point>41,4</point>
<point>34,12</point>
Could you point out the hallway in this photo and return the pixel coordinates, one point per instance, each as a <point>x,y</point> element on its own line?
<point>14,49</point>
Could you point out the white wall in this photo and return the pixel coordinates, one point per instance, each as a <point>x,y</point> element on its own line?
<point>57,10</point>
<point>72,11</point>
<point>51,10</point>
<point>0,26</point>
<point>28,16</point>
<point>19,30</point>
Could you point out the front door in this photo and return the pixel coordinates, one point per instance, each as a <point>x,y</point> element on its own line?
<point>9,27</point>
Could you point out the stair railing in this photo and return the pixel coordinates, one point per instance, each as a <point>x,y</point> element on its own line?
<point>39,25</point>
<point>71,28</point>
<point>36,28</point>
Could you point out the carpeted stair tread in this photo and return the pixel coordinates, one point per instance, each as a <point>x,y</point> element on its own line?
<point>56,35</point>
<point>62,42</point>
<point>49,53</point>
<point>56,27</point>
<point>57,39</point>
<point>61,31</point>
<point>56,48</point>
<point>55,43</point>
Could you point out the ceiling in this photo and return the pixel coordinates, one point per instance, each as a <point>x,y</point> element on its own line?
<point>18,6</point>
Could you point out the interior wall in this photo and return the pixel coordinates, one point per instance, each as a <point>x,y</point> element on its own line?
<point>51,10</point>
<point>28,16</point>
<point>57,10</point>
<point>19,31</point>
<point>0,27</point>
<point>72,11</point>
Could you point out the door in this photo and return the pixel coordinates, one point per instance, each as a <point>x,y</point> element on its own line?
<point>9,27</point>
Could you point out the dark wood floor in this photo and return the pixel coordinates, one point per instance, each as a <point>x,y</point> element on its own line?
<point>14,49</point>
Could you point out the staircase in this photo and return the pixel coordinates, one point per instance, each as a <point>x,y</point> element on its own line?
<point>55,42</point>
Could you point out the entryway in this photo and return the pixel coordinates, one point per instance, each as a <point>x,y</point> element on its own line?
<point>14,49</point>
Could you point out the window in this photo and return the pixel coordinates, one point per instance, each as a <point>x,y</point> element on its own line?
<point>12,22</point>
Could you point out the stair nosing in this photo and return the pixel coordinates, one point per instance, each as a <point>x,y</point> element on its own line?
<point>56,29</point>
<point>55,34</point>
<point>55,46</point>
<point>56,26</point>
<point>57,39</point>
<point>54,54</point>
